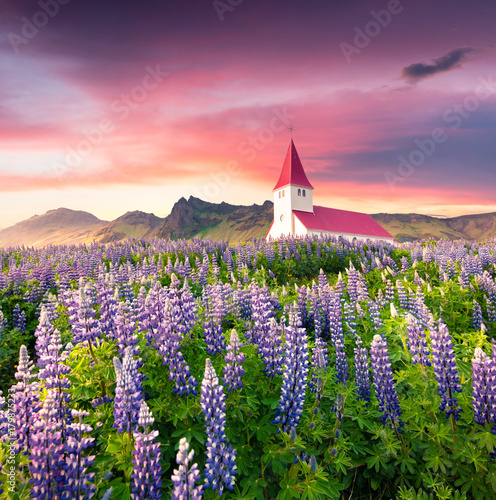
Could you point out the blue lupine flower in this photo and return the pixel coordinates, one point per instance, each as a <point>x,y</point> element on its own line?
<point>362,372</point>
<point>295,375</point>
<point>128,393</point>
<point>186,477</point>
<point>145,478</point>
<point>77,479</point>
<point>477,318</point>
<point>270,349</point>
<point>443,359</point>
<point>417,343</point>
<point>220,468</point>
<point>319,364</point>
<point>384,383</point>
<point>233,371</point>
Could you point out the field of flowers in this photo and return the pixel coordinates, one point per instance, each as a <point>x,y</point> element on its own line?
<point>301,369</point>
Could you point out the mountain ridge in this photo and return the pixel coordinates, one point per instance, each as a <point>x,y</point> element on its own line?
<point>194,217</point>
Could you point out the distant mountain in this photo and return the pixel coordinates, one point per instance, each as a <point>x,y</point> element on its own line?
<point>411,227</point>
<point>197,218</point>
<point>132,224</point>
<point>55,227</point>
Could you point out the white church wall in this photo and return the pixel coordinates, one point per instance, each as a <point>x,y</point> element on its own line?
<point>282,213</point>
<point>301,198</point>
<point>300,229</point>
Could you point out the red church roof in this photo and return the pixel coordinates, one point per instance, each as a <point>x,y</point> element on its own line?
<point>292,170</point>
<point>341,221</point>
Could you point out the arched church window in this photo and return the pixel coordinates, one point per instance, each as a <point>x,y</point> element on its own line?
<point>304,193</point>
<point>279,194</point>
<point>283,193</point>
<point>299,192</point>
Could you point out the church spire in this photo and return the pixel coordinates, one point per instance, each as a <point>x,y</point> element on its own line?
<point>292,170</point>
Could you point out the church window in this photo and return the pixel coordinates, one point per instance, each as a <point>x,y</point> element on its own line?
<point>299,192</point>
<point>283,193</point>
<point>279,194</point>
<point>304,193</point>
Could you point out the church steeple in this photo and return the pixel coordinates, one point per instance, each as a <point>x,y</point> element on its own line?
<point>292,172</point>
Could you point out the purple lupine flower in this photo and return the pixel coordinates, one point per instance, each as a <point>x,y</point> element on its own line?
<point>125,328</point>
<point>214,336</point>
<point>2,320</point>
<point>186,477</point>
<point>295,375</point>
<point>477,318</point>
<point>4,421</point>
<point>26,400</point>
<point>146,482</point>
<point>19,319</point>
<point>233,371</point>
<point>384,383</point>
<point>319,364</point>
<point>443,359</point>
<point>43,334</point>
<point>491,310</point>
<point>362,372</point>
<point>337,339</point>
<point>220,468</point>
<point>77,481</point>
<point>270,349</point>
<point>417,342</point>
<point>128,394</point>
<point>262,309</point>
<point>402,294</point>
<point>170,349</point>
<point>84,324</point>
<point>54,375</point>
<point>108,300</point>
<point>483,386</point>
<point>47,453</point>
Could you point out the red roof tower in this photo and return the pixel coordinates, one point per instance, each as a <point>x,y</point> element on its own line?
<point>292,170</point>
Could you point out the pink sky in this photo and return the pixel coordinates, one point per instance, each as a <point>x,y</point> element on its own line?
<point>178,102</point>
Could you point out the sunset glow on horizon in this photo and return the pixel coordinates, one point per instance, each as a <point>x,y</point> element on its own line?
<point>127,106</point>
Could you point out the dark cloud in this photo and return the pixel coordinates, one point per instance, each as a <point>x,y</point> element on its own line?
<point>452,60</point>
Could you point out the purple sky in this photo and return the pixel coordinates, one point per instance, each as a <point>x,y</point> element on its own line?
<point>128,105</point>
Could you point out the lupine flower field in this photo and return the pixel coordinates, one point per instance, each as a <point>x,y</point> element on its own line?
<point>311,368</point>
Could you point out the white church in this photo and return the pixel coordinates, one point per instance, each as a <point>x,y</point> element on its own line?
<point>296,215</point>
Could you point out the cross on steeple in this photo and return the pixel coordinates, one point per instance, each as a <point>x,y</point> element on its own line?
<point>291,128</point>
